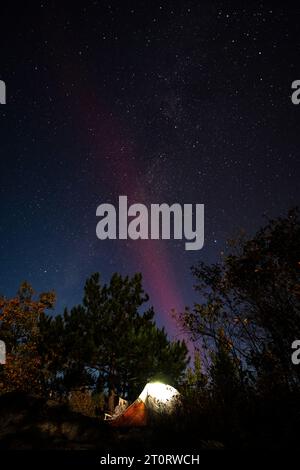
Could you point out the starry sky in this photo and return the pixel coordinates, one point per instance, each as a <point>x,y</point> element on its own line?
<point>186,102</point>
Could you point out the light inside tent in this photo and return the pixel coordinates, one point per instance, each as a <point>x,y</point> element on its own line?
<point>160,397</point>
<point>161,392</point>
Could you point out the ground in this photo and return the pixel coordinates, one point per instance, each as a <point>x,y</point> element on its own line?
<point>28,422</point>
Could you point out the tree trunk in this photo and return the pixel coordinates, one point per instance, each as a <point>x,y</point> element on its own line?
<point>111,400</point>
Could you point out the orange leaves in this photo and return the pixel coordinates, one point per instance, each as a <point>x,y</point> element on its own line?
<point>19,328</point>
<point>47,300</point>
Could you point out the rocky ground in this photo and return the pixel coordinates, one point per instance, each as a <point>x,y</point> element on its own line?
<point>27,422</point>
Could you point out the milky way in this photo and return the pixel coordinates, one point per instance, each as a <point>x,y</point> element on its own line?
<point>182,102</point>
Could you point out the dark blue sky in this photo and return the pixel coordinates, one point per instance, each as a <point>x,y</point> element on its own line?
<point>177,102</point>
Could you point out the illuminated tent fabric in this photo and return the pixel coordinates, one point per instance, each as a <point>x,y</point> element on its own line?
<point>156,397</point>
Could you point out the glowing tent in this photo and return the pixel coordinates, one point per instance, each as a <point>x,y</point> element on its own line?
<point>155,398</point>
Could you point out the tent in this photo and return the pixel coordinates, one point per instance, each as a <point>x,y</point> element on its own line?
<point>156,397</point>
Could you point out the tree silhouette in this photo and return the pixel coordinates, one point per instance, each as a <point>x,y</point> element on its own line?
<point>108,343</point>
<point>19,329</point>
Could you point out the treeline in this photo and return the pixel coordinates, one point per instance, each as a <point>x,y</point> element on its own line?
<point>243,389</point>
<point>107,344</point>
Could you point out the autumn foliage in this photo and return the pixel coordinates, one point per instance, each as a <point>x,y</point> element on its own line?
<point>19,326</point>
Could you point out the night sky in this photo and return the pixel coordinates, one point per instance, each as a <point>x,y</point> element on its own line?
<point>186,102</point>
